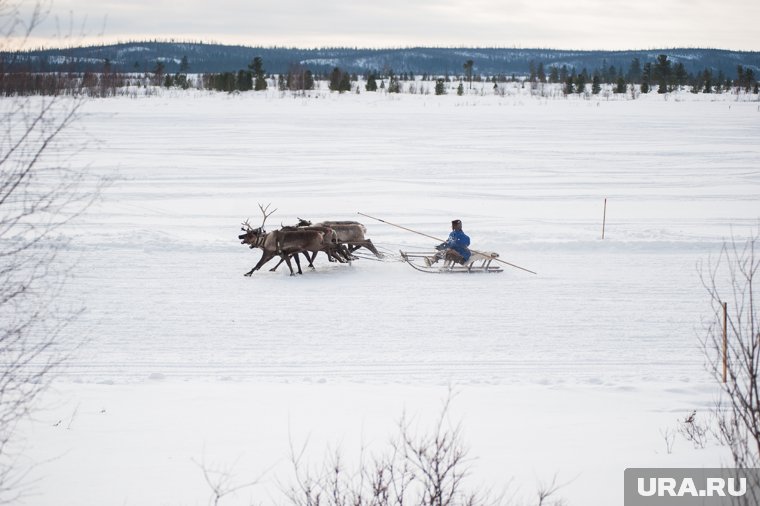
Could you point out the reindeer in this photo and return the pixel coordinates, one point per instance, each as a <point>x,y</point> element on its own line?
<point>350,233</point>
<point>285,243</point>
<point>335,251</point>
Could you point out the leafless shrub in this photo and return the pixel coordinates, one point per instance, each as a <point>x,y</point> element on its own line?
<point>420,469</point>
<point>546,491</point>
<point>39,195</point>
<point>694,430</point>
<point>669,437</point>
<point>732,279</point>
<point>221,482</point>
<point>440,462</point>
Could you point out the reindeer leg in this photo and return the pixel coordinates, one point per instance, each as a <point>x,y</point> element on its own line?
<point>368,244</point>
<point>264,259</point>
<point>276,266</point>
<point>345,251</point>
<point>298,263</point>
<point>287,260</point>
<point>308,259</point>
<point>336,255</point>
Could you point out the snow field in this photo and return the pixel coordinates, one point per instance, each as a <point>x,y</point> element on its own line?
<point>574,371</point>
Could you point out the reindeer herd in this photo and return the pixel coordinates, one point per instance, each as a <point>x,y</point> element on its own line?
<point>337,239</point>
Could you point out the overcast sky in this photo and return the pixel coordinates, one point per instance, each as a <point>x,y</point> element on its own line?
<point>564,24</point>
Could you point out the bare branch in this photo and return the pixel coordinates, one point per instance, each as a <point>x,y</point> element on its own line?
<point>220,481</point>
<point>39,195</point>
<point>731,279</point>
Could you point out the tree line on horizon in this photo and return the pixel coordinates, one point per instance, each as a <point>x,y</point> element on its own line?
<point>661,73</point>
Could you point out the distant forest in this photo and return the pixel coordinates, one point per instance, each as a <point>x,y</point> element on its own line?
<point>229,68</point>
<point>207,58</point>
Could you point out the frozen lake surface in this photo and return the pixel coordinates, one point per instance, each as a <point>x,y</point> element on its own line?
<point>163,270</point>
<point>606,326</point>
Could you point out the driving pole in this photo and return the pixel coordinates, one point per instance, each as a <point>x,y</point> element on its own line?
<point>399,226</point>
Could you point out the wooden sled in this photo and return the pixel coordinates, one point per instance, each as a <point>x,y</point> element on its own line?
<point>478,262</point>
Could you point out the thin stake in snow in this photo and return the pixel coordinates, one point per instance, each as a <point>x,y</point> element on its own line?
<point>441,240</point>
<point>604,217</point>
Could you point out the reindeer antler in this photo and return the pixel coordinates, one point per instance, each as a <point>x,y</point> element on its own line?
<point>266,215</point>
<point>246,226</point>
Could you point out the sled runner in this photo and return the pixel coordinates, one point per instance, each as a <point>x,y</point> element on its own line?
<point>478,262</point>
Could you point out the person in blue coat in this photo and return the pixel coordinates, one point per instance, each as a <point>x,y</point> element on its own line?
<point>455,248</point>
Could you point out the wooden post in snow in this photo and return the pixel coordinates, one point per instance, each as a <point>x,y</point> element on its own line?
<point>725,341</point>
<point>604,218</point>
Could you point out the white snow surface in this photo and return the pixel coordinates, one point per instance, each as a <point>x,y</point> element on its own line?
<point>575,371</point>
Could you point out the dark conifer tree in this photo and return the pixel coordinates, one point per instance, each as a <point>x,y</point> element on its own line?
<point>540,73</point>
<point>393,82</point>
<point>335,76</point>
<point>440,86</point>
<point>621,86</point>
<point>158,72</point>
<point>679,74</point>
<point>257,66</point>
<point>696,82</point>
<point>569,88</point>
<point>646,78</point>
<point>580,82</point>
<point>661,73</point>
<point>180,81</point>
<point>244,80</point>
<point>708,81</point>
<point>554,74</point>
<point>749,80</point>
<point>468,65</point>
<point>371,83</point>
<point>596,85</point>
<point>345,82</point>
<point>308,80</point>
<point>740,76</point>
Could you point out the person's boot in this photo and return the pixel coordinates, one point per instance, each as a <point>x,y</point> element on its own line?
<point>429,261</point>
